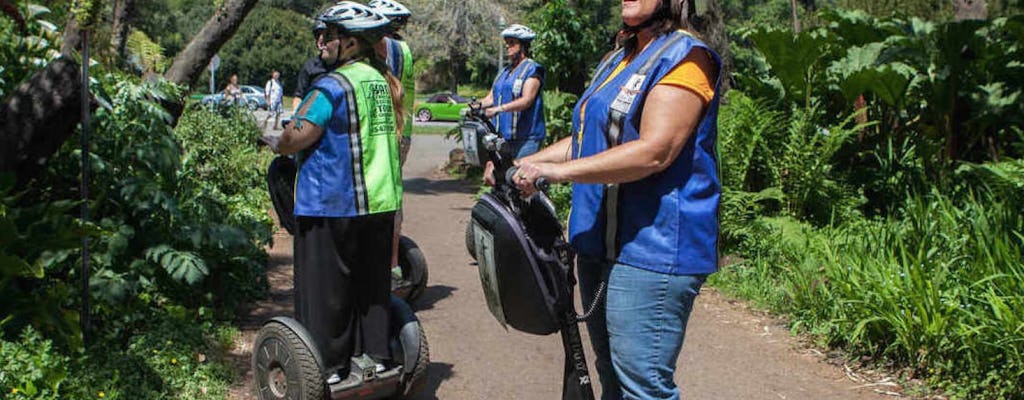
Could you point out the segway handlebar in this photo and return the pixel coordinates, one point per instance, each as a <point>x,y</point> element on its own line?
<point>541,183</point>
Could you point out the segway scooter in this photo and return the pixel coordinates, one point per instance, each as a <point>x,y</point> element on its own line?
<point>525,264</point>
<point>288,365</point>
<point>281,184</point>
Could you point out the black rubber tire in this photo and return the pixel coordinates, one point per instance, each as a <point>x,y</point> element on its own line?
<point>470,240</point>
<point>278,348</point>
<point>424,115</point>
<point>412,382</point>
<point>414,267</point>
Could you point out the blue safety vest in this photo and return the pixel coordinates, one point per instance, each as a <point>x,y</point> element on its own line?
<point>668,221</point>
<point>353,169</point>
<point>508,86</point>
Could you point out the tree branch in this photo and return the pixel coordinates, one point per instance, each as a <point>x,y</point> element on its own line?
<point>189,64</point>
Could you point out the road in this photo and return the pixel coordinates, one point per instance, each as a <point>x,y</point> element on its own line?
<point>730,352</point>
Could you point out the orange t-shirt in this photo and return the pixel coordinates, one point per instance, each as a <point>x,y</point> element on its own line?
<point>694,73</point>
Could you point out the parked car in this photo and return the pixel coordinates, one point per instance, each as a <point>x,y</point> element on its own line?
<point>442,107</point>
<point>252,97</point>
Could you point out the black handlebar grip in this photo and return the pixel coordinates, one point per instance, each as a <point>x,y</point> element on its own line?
<point>542,184</point>
<point>510,175</point>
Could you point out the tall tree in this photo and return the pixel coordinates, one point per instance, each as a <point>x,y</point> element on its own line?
<point>189,64</point>
<point>449,31</point>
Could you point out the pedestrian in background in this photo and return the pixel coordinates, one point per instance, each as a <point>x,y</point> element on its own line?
<point>273,93</point>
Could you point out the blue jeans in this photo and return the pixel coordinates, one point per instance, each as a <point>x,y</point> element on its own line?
<point>639,332</point>
<point>524,147</point>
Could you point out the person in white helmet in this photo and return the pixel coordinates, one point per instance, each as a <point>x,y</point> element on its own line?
<point>515,104</point>
<point>347,190</point>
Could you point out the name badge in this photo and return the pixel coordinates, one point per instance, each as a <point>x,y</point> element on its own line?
<point>627,93</point>
<point>517,86</point>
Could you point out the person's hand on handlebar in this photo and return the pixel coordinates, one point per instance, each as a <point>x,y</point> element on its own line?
<point>528,173</point>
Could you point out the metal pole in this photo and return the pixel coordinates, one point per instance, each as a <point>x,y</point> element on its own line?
<point>85,186</point>
<point>501,46</point>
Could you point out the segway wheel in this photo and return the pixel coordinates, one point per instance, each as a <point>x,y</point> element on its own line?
<point>470,240</point>
<point>284,366</point>
<point>414,351</point>
<point>414,267</point>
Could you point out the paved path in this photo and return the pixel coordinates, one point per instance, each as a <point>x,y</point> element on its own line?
<point>730,352</point>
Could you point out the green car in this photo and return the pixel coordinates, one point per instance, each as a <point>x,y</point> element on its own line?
<point>441,107</point>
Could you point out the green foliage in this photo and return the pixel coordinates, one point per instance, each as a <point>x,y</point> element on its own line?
<point>558,107</point>
<point>569,43</point>
<point>31,370</point>
<point>931,289</point>
<point>22,53</point>
<point>178,355</point>
<point>872,188</point>
<point>180,224</point>
<point>148,55</point>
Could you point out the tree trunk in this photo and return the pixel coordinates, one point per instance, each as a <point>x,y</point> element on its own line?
<point>119,28</point>
<point>970,9</point>
<point>189,64</point>
<point>796,16</point>
<point>72,38</point>
<point>716,37</point>
<point>38,117</point>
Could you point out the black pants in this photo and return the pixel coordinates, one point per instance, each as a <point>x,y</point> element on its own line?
<point>343,285</point>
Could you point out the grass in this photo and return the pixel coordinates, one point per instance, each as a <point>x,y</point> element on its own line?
<point>932,292</point>
<point>418,129</point>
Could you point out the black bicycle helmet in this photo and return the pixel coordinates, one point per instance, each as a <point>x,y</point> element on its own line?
<point>356,20</point>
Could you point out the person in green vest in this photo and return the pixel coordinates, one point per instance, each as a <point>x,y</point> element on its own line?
<point>347,190</point>
<point>399,59</point>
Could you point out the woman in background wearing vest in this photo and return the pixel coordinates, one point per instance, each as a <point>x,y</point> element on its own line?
<point>646,191</point>
<point>346,192</point>
<point>515,104</point>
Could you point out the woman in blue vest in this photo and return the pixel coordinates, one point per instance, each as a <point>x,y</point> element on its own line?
<point>346,192</point>
<point>642,159</point>
<point>514,103</point>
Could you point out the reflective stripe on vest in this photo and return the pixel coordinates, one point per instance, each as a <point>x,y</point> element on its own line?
<point>614,137</point>
<point>667,221</point>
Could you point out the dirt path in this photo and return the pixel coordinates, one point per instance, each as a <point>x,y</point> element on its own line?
<point>730,352</point>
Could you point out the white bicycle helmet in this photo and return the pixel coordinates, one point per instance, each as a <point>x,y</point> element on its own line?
<point>357,20</point>
<point>390,8</point>
<point>519,32</point>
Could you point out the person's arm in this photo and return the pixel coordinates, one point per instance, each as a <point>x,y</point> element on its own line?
<point>531,89</point>
<point>670,116</point>
<point>558,152</point>
<point>307,124</point>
